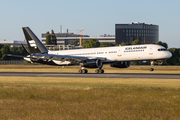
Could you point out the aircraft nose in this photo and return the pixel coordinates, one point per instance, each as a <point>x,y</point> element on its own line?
<point>169,54</point>
<point>166,54</point>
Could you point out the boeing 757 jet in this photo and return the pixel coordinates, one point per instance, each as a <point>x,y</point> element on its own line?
<point>118,56</point>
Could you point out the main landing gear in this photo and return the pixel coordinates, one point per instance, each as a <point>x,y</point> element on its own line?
<point>152,65</point>
<point>99,71</point>
<point>83,71</point>
<point>86,71</point>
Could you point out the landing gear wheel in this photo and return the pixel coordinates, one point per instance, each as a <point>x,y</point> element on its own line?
<point>80,71</point>
<point>84,71</point>
<point>151,69</point>
<point>99,71</point>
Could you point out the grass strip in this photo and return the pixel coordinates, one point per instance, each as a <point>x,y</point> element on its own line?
<point>88,98</point>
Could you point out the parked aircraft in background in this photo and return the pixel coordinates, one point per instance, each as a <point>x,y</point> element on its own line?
<point>118,56</point>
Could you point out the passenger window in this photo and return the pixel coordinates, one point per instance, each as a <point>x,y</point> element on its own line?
<point>162,49</point>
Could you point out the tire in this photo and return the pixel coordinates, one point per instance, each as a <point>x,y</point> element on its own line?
<point>102,71</point>
<point>80,71</point>
<point>97,71</point>
<point>151,69</point>
<point>83,71</point>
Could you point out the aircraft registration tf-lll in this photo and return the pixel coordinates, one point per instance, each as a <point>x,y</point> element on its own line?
<point>118,56</point>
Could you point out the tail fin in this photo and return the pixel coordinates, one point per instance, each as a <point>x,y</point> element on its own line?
<point>34,44</point>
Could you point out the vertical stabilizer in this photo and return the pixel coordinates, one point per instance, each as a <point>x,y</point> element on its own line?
<point>34,44</point>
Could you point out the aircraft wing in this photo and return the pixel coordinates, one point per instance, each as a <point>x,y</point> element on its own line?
<point>50,57</point>
<point>59,57</point>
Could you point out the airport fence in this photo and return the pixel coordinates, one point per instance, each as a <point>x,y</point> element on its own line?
<point>16,62</point>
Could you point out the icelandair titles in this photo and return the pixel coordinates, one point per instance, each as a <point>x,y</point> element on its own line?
<point>135,49</point>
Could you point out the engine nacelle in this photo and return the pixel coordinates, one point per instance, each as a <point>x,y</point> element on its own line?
<point>124,64</point>
<point>92,63</point>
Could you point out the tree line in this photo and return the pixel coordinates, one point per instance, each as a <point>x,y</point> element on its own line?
<point>6,49</point>
<point>51,38</point>
<point>92,43</point>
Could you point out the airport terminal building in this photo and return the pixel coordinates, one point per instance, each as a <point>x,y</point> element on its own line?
<point>145,33</point>
<point>70,38</point>
<point>14,43</point>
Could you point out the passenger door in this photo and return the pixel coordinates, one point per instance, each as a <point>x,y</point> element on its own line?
<point>119,53</point>
<point>150,51</point>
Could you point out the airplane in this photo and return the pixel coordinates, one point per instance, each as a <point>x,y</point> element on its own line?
<point>116,56</point>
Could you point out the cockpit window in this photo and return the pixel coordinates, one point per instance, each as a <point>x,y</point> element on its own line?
<point>162,49</point>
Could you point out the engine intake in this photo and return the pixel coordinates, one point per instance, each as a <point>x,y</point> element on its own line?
<point>92,63</point>
<point>124,64</point>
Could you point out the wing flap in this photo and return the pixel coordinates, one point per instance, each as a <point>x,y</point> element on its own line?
<point>61,57</point>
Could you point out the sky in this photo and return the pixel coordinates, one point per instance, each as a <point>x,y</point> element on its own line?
<point>95,17</point>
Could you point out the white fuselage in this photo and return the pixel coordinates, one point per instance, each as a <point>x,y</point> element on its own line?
<point>118,53</point>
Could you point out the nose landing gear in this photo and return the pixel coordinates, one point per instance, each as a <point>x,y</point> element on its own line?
<point>151,69</point>
<point>152,65</point>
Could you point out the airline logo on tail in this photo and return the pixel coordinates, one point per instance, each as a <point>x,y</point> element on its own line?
<point>32,43</point>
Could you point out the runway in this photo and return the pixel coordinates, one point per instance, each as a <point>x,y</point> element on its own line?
<point>93,75</point>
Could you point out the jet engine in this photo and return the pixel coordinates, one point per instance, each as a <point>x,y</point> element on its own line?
<point>124,64</point>
<point>92,63</point>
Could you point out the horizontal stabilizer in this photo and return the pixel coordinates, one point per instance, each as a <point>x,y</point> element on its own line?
<point>16,56</point>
